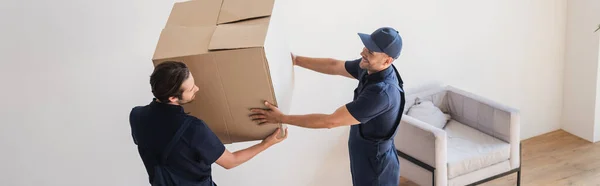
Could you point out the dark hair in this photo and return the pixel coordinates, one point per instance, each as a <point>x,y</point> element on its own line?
<point>167,78</point>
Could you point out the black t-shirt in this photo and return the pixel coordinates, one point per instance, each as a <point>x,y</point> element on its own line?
<point>191,157</point>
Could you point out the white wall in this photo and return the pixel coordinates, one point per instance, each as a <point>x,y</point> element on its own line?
<point>70,72</point>
<point>64,124</point>
<point>581,69</point>
<point>597,117</point>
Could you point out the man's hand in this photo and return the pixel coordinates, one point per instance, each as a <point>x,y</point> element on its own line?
<point>271,115</point>
<point>272,139</point>
<point>322,65</point>
<point>293,58</point>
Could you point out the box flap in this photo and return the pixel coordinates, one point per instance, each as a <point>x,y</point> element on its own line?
<point>195,13</point>
<point>237,10</point>
<point>238,35</point>
<point>177,41</point>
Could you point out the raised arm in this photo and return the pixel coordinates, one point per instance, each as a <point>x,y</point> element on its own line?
<point>323,65</point>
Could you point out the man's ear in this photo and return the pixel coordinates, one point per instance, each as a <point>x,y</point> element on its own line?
<point>173,99</point>
<point>389,60</point>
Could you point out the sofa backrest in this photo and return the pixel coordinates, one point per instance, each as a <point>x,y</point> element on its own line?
<point>467,108</point>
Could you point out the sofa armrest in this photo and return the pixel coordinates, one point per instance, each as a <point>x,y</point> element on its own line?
<point>488,116</point>
<point>424,143</point>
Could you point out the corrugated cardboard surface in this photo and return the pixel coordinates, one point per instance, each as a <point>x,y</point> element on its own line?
<point>246,83</point>
<point>230,63</point>
<point>211,103</point>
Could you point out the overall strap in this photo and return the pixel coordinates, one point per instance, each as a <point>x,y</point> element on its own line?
<point>402,100</point>
<point>175,139</point>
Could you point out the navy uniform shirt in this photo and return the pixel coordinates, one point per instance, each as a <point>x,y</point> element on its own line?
<point>191,157</point>
<point>376,101</point>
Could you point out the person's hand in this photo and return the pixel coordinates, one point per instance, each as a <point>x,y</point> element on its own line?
<point>293,58</point>
<point>271,115</point>
<point>274,139</point>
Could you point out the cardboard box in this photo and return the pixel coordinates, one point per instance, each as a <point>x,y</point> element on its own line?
<point>238,55</point>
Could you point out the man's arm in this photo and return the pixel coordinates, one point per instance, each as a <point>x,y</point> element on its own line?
<point>230,160</point>
<point>341,117</point>
<point>323,65</point>
<point>371,103</point>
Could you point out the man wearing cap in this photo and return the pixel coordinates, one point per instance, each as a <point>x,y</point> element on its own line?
<point>373,114</point>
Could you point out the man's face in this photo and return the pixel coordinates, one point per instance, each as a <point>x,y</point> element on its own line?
<point>189,89</point>
<point>374,61</point>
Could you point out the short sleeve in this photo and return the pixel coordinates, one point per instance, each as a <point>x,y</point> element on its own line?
<point>207,144</point>
<point>369,104</point>
<point>353,67</point>
<point>134,116</point>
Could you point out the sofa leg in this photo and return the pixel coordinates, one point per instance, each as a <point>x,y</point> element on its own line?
<point>519,177</point>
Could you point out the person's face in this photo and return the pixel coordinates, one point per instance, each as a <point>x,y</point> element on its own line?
<point>374,61</point>
<point>189,89</point>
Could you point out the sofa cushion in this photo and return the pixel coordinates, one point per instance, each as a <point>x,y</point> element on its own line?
<point>470,150</point>
<point>427,112</point>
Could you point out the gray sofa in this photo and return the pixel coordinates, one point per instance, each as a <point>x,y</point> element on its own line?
<point>449,136</point>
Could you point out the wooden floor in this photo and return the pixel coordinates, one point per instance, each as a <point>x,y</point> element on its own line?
<point>555,158</point>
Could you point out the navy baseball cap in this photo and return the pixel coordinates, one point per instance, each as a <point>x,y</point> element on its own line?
<point>384,39</point>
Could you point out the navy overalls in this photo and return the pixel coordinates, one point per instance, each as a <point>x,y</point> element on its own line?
<point>377,104</point>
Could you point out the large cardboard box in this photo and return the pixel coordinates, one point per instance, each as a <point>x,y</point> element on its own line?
<point>238,55</point>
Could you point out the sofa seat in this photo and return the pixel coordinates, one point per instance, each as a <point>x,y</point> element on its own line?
<point>470,150</point>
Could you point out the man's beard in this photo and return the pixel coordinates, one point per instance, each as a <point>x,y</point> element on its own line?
<point>183,102</point>
<point>363,65</point>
